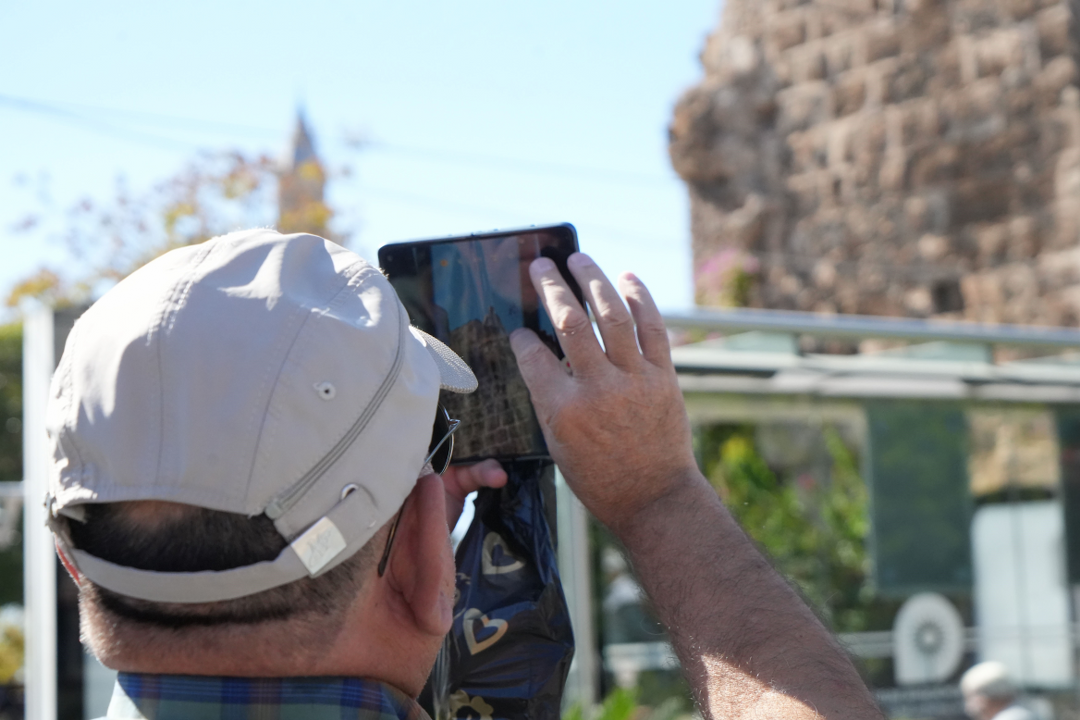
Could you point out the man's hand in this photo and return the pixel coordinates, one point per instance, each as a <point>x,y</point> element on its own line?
<point>616,424</point>
<point>460,480</point>
<point>617,427</point>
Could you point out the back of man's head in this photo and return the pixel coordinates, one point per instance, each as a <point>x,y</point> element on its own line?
<point>989,679</point>
<point>987,689</point>
<point>233,428</point>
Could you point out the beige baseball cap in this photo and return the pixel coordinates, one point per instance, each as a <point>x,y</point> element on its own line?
<point>256,373</point>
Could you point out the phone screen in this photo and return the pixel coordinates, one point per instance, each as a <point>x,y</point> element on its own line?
<point>471,293</point>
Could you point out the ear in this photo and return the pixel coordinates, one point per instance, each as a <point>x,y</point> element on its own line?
<point>421,568</point>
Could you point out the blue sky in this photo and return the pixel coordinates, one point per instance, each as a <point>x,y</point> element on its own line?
<point>476,114</point>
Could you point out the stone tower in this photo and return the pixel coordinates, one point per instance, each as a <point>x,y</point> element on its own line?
<point>301,186</point>
<point>892,157</point>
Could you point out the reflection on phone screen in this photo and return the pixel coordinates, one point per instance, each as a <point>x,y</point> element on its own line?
<point>471,294</point>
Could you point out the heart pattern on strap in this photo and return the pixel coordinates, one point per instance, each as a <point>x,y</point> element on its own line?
<point>471,616</point>
<point>492,541</point>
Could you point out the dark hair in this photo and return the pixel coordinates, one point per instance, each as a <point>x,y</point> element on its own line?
<point>193,539</point>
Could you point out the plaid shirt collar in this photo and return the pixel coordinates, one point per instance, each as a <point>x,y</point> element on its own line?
<point>169,697</point>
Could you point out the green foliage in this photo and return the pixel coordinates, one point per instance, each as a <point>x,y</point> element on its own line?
<point>11,468</point>
<point>214,194</point>
<point>10,402</point>
<point>623,704</point>
<point>814,531</point>
<point>726,278</point>
<point>620,704</point>
<point>12,652</point>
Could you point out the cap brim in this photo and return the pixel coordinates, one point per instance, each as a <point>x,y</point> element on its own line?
<point>454,374</point>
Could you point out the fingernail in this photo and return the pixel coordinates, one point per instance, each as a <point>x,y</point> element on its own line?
<point>517,337</point>
<point>580,260</point>
<point>543,264</point>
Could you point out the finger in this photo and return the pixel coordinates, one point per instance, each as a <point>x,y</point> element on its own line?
<point>460,480</point>
<point>612,318</point>
<point>540,369</point>
<point>570,319</point>
<point>651,331</point>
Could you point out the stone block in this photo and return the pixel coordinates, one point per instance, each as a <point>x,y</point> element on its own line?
<point>856,10</point>
<point>881,39</point>
<point>814,23</point>
<point>693,137</point>
<point>849,93</point>
<point>807,63</point>
<point>1024,241</point>
<point>1053,25</point>
<point>975,112</point>
<point>1052,137</point>
<point>1055,76</point>
<point>789,285</point>
<point>916,214</point>
<point>839,53</point>
<point>922,7</point>
<point>838,144</point>
<point>936,164</point>
<point>1060,268</point>
<point>804,191</point>
<point>731,58</point>
<point>918,302</point>
<point>998,51</point>
<point>787,31</point>
<point>804,151</point>
<point>945,61</point>
<point>1067,177</point>
<point>824,274</point>
<point>974,16</point>
<point>933,247</point>
<point>1021,9</point>
<point>905,79</point>
<point>993,243</point>
<point>872,278</point>
<point>868,137</point>
<point>982,297</point>
<point>801,106</point>
<point>893,174</point>
<point>1020,102</point>
<point>979,200</point>
<point>917,122</point>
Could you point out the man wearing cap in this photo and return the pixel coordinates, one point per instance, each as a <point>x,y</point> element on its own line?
<point>990,694</point>
<point>243,489</point>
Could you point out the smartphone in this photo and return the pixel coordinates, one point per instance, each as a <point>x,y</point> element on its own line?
<point>471,292</point>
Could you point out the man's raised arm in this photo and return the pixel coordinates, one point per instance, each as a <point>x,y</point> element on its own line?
<point>617,427</point>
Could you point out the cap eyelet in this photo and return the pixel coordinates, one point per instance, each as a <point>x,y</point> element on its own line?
<point>326,390</point>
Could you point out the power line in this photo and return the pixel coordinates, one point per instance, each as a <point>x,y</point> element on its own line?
<point>81,115</point>
<point>93,124</point>
<point>188,123</point>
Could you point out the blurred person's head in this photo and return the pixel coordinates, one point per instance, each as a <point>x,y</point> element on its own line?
<point>235,428</point>
<point>987,690</point>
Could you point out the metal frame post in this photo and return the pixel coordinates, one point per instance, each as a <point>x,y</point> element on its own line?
<point>39,553</point>
<point>575,569</point>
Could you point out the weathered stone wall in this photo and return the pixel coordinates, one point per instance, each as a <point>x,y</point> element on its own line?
<point>891,157</point>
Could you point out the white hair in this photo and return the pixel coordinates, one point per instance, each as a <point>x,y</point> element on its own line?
<point>989,679</point>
